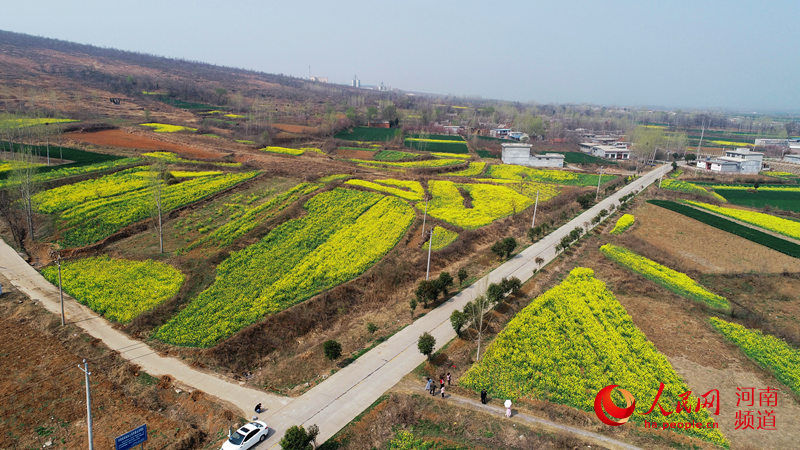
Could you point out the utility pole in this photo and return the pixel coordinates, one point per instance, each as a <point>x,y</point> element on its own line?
<point>424,216</point>
<point>535,205</point>
<point>85,370</point>
<point>60,291</point>
<point>702,133</point>
<point>430,246</point>
<point>599,177</point>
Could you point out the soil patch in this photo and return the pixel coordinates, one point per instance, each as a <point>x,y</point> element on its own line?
<point>44,392</point>
<point>703,248</point>
<point>299,129</point>
<point>123,139</point>
<point>358,154</point>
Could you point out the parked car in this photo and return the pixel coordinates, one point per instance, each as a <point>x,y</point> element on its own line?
<point>247,436</point>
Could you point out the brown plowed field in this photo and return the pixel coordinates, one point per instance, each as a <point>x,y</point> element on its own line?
<point>123,139</point>
<point>44,398</point>
<point>290,128</point>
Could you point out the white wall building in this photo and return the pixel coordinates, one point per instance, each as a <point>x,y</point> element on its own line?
<point>741,160</point>
<point>792,159</point>
<point>771,142</point>
<point>606,151</point>
<point>520,154</point>
<point>749,161</point>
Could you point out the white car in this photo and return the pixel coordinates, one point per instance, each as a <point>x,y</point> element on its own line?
<point>247,436</point>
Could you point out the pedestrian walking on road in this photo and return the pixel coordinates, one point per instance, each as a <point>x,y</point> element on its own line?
<point>483,396</point>
<point>448,378</point>
<point>442,391</point>
<point>507,404</point>
<point>433,388</point>
<point>428,385</point>
<point>441,381</point>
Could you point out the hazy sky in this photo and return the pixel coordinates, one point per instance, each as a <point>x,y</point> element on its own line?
<point>736,54</point>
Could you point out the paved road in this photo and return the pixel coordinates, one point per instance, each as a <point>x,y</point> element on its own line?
<point>34,285</point>
<point>335,402</point>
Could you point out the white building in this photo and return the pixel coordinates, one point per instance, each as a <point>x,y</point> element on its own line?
<point>741,160</point>
<point>606,151</point>
<point>499,132</point>
<point>772,142</point>
<point>791,158</point>
<point>749,161</point>
<point>718,165</point>
<point>520,154</point>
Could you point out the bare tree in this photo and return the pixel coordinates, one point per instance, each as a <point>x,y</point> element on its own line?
<point>22,179</point>
<point>157,188</point>
<point>476,315</point>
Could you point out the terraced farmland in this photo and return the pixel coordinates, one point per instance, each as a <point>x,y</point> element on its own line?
<point>343,234</point>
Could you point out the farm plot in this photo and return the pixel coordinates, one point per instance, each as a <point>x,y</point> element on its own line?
<point>437,145</point>
<point>623,223</point>
<point>690,188</point>
<point>767,351</point>
<point>574,340</point>
<point>670,279</point>
<point>723,224</point>
<point>474,170</point>
<point>406,189</point>
<point>436,137</point>
<point>394,155</point>
<point>97,216</point>
<point>786,227</point>
<point>175,159</point>
<point>368,134</point>
<point>119,289</point>
<point>14,121</point>
<point>489,203</point>
<point>411,164</point>
<point>249,217</point>
<point>343,234</point>
<point>521,173</point>
<point>6,166</point>
<point>442,237</point>
<point>684,242</point>
<point>786,198</point>
<point>167,128</point>
<point>64,197</point>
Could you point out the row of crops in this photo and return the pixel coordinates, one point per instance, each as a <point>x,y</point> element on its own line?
<point>344,233</point>
<point>759,237</point>
<point>668,278</point>
<point>785,197</point>
<point>574,340</point>
<point>82,162</point>
<point>91,210</point>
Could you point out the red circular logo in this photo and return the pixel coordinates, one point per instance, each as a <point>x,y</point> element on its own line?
<point>619,415</point>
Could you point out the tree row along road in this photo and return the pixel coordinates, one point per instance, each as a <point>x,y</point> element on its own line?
<point>333,403</point>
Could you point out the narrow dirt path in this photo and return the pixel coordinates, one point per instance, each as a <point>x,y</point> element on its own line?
<point>524,418</point>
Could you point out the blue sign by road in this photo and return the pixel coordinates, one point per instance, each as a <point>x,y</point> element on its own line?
<point>131,438</point>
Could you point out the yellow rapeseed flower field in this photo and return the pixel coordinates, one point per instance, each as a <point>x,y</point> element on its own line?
<point>623,223</point>
<point>119,289</point>
<point>574,340</point>
<point>785,227</point>
<point>343,234</point>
